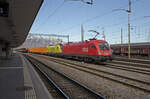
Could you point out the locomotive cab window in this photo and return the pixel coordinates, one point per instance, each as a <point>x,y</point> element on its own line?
<point>93,46</point>
<point>103,46</point>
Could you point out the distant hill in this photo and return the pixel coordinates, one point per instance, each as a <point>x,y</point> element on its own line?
<point>35,41</point>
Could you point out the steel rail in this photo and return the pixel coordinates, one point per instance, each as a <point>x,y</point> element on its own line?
<point>81,85</point>
<point>131,64</point>
<point>117,66</point>
<point>50,80</point>
<point>148,83</point>
<point>133,60</point>
<point>134,86</point>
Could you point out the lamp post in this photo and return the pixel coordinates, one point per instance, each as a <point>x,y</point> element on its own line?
<point>129,12</point>
<point>121,40</point>
<point>129,46</point>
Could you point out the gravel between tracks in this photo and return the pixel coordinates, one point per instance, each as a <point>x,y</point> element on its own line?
<point>71,89</point>
<point>110,89</point>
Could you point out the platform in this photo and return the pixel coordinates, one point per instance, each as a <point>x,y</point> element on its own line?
<point>18,80</point>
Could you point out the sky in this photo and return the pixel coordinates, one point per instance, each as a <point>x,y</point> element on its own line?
<point>64,17</point>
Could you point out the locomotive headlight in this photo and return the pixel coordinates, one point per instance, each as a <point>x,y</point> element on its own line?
<point>99,53</point>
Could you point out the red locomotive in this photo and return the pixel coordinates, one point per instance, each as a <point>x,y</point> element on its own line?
<point>93,50</point>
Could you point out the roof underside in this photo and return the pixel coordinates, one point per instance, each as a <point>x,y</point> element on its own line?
<point>15,28</point>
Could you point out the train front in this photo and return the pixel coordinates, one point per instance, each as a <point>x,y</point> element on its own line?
<point>104,50</point>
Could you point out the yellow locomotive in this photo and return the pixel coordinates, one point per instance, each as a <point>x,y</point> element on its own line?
<point>54,50</point>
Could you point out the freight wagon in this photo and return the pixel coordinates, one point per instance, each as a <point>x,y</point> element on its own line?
<point>140,49</point>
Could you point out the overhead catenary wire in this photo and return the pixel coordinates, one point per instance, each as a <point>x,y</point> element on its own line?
<point>116,24</point>
<point>121,23</point>
<point>57,9</point>
<point>93,18</point>
<point>88,20</point>
<point>97,17</point>
<point>51,15</point>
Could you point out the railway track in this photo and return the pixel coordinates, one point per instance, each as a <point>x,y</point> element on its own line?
<point>128,66</point>
<point>131,68</point>
<point>121,62</point>
<point>132,61</point>
<point>143,68</point>
<point>128,81</point>
<point>67,87</point>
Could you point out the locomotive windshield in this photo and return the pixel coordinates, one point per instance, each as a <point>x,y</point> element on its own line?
<point>103,46</point>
